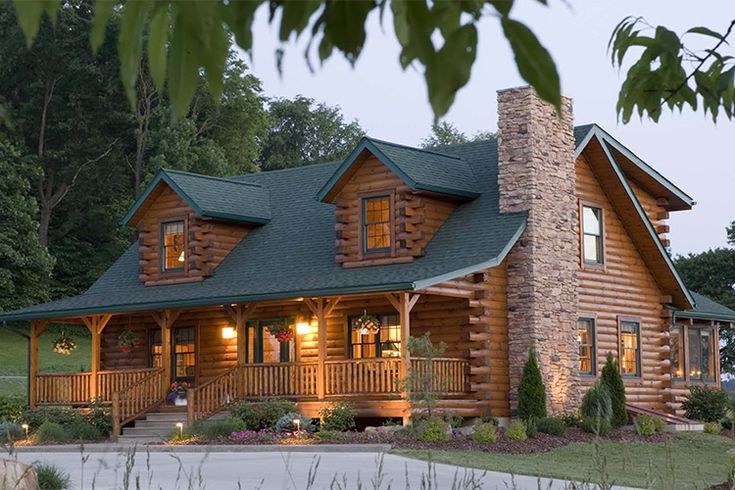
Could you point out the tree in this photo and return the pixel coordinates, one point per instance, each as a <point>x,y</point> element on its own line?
<point>445,133</point>
<point>612,380</point>
<point>303,132</point>
<point>531,390</point>
<point>25,266</point>
<point>422,386</point>
<point>712,273</point>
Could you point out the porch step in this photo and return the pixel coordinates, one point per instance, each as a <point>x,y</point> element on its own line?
<point>153,427</point>
<point>674,423</point>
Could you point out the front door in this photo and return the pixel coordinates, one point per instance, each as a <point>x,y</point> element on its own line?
<point>183,350</point>
<point>262,345</point>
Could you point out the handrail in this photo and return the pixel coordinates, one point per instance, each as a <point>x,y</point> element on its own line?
<point>222,390</point>
<point>73,388</point>
<point>138,398</point>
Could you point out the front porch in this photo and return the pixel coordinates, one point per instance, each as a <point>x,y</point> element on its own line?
<point>228,354</point>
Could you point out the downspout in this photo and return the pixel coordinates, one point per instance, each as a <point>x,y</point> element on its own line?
<point>28,358</point>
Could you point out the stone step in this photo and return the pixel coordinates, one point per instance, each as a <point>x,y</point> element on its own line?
<point>131,441</point>
<point>166,417</point>
<point>156,424</point>
<point>148,432</point>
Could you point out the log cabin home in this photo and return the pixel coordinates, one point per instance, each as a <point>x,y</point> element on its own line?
<point>306,283</point>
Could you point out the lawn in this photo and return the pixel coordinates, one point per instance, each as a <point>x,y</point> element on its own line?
<point>14,356</point>
<point>688,460</point>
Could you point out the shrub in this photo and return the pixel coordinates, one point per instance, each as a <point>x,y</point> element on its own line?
<point>263,415</point>
<point>595,425</point>
<point>596,403</point>
<point>531,391</point>
<point>434,430</point>
<point>83,431</point>
<point>712,428</point>
<point>286,423</point>
<point>706,404</point>
<point>339,417</point>
<point>9,432</point>
<point>571,419</point>
<point>62,416</point>
<point>212,430</point>
<point>645,425</point>
<point>489,419</point>
<point>49,432</point>
<point>613,381</point>
<point>485,434</point>
<point>531,427</point>
<point>551,425</point>
<point>51,478</point>
<point>99,416</point>
<point>516,431</point>
<point>327,435</point>
<point>454,421</point>
<point>11,408</point>
<point>730,467</point>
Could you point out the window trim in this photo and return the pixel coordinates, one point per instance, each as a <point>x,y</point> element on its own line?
<point>639,350</point>
<point>183,270</point>
<point>389,251</point>
<point>683,358</point>
<point>585,264</point>
<point>593,347</point>
<point>378,348</point>
<point>715,353</point>
<point>258,326</point>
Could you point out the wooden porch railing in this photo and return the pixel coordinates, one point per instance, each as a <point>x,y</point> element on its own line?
<point>299,380</point>
<point>138,398</point>
<point>74,388</point>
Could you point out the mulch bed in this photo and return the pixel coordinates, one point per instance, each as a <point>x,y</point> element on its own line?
<point>721,486</point>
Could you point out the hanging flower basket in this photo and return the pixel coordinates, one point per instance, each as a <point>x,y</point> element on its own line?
<point>128,340</point>
<point>282,333</point>
<point>366,324</point>
<point>64,345</point>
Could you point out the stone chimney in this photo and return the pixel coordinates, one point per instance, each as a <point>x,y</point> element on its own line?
<point>537,175</point>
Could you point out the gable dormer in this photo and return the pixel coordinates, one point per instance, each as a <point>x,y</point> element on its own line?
<point>390,200</point>
<point>188,223</point>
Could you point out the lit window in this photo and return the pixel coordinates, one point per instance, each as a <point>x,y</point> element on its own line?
<point>630,348</point>
<point>376,224</point>
<point>592,235</point>
<point>184,347</point>
<point>586,337</point>
<point>701,365</point>
<point>172,240</point>
<point>386,342</point>
<point>155,352</point>
<point>677,353</point>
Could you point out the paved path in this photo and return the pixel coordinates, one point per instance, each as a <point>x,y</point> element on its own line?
<point>268,470</point>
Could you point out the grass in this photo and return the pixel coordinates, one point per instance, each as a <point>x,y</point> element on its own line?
<point>688,460</point>
<point>10,387</point>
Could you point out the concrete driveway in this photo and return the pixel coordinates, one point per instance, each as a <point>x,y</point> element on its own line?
<point>271,470</point>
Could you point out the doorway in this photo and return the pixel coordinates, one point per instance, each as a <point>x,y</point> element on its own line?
<point>183,358</point>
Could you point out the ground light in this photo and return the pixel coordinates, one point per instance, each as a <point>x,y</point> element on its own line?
<point>297,421</point>
<point>25,429</point>
<point>180,428</point>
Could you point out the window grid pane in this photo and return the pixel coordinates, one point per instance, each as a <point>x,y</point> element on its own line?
<point>174,255</point>
<point>586,337</point>
<point>677,353</point>
<point>376,223</point>
<point>630,348</point>
<point>385,343</point>
<point>592,234</point>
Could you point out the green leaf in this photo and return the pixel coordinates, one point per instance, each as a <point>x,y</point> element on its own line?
<point>295,17</point>
<point>449,70</point>
<point>183,75</point>
<point>130,44</point>
<point>157,40</point>
<point>102,11</point>
<point>534,62</point>
<point>344,25</point>
<point>705,32</point>
<point>239,16</point>
<point>30,12</point>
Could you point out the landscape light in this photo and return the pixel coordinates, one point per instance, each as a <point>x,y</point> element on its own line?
<point>180,428</point>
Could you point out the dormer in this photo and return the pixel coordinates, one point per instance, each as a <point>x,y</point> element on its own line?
<point>188,223</point>
<point>390,200</point>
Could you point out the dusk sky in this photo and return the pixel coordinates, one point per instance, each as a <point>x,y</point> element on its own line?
<point>391,104</point>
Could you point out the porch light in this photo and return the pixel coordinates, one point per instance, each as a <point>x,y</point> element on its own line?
<point>302,328</point>
<point>229,333</point>
<point>180,428</point>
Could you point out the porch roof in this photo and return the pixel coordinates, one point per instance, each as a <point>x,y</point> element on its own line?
<point>706,309</point>
<point>293,255</point>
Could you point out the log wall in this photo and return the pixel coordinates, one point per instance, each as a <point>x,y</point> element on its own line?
<point>624,288</point>
<point>416,217</point>
<point>655,209</point>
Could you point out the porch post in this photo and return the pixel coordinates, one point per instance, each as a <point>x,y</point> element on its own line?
<point>165,320</point>
<point>37,328</point>
<point>95,324</point>
<point>322,308</point>
<point>240,315</point>
<point>404,304</point>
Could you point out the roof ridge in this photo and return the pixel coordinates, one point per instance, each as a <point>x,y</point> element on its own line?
<point>212,177</point>
<point>300,167</point>
<point>466,143</point>
<point>399,145</point>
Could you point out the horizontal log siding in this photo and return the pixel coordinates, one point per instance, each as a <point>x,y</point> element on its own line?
<point>655,211</point>
<point>624,288</point>
<point>416,217</point>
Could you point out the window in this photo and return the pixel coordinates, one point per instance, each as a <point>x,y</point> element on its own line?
<point>677,353</point>
<point>592,235</point>
<point>586,337</point>
<point>263,347</point>
<point>172,245</point>
<point>376,224</point>
<point>384,343</point>
<point>701,364</point>
<point>155,349</point>
<point>630,349</point>
<point>184,347</point>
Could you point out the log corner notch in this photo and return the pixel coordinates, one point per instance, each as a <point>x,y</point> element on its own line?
<point>165,319</point>
<point>321,308</point>
<point>404,302</point>
<point>240,315</point>
<point>37,328</point>
<point>95,324</point>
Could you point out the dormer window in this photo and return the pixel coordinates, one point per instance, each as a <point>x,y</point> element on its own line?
<point>377,229</point>
<point>173,251</point>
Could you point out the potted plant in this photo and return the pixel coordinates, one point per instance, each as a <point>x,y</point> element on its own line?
<point>177,393</point>
<point>64,345</point>
<point>128,340</point>
<point>282,332</point>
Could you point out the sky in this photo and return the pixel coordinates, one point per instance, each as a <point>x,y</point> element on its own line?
<point>391,104</point>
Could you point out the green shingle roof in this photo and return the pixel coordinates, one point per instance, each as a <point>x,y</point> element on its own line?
<point>213,197</point>
<point>706,309</point>
<point>420,169</point>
